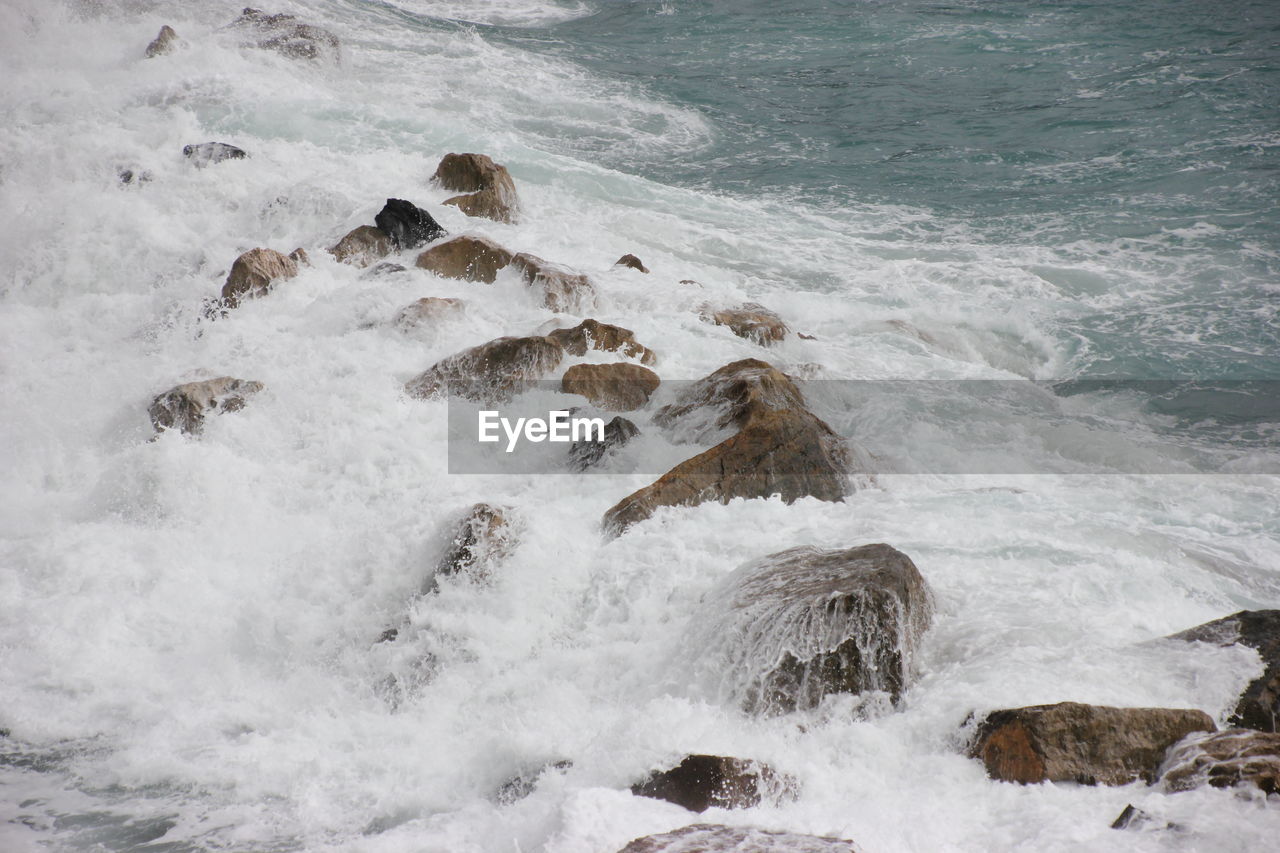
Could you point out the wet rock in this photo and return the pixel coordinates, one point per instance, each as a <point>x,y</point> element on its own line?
<point>128,176</point>
<point>585,454</point>
<point>490,191</point>
<point>617,387</point>
<point>253,274</point>
<point>1086,744</point>
<point>730,398</point>
<point>751,321</point>
<point>522,785</point>
<point>1259,705</point>
<point>631,261</point>
<point>362,246</point>
<point>700,782</point>
<point>287,35</point>
<point>186,406</point>
<point>386,268</point>
<point>1131,818</point>
<point>467,257</point>
<point>592,334</point>
<point>407,225</point>
<point>557,288</point>
<point>163,43</point>
<point>299,255</point>
<point>208,153</point>
<point>481,540</point>
<point>492,372</point>
<point>427,311</point>
<point>1224,759</point>
<point>715,838</point>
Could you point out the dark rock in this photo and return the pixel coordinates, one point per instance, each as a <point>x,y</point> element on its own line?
<point>631,261</point>
<point>362,246</point>
<point>1259,705</point>
<point>700,782</point>
<point>427,311</point>
<point>491,192</point>
<point>751,321</point>
<point>164,43</point>
<point>618,387</point>
<point>730,398</point>
<point>208,153</point>
<point>407,225</point>
<point>592,334</point>
<point>523,784</point>
<point>254,273</point>
<point>585,454</point>
<point>386,268</point>
<point>805,337</point>
<point>1086,744</point>
<point>467,257</point>
<point>1224,760</point>
<point>288,36</point>
<point>557,288</point>
<point>492,372</point>
<point>185,407</point>
<point>690,281</point>
<point>480,540</point>
<point>715,838</point>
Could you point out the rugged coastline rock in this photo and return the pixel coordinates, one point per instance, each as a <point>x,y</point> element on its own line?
<point>584,454</point>
<point>592,334</point>
<point>617,387</point>
<point>490,192</point>
<point>1259,705</point>
<point>751,321</point>
<point>255,272</point>
<point>408,225</point>
<point>631,261</point>
<point>362,246</point>
<point>730,398</point>
<point>1085,744</point>
<point>208,153</point>
<point>286,35</point>
<point>186,406</point>
<point>700,782</point>
<point>163,43</point>
<point>1224,759</point>
<point>427,310</point>
<point>467,257</point>
<point>716,838</point>
<point>492,372</point>
<point>557,288</point>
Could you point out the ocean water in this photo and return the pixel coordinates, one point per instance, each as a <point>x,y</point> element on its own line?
<point>972,190</point>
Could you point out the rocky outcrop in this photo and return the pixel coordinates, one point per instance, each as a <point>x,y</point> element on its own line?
<point>428,310</point>
<point>492,372</point>
<point>1224,760</point>
<point>254,273</point>
<point>166,42</point>
<point>468,257</point>
<point>407,225</point>
<point>556,287</point>
<point>618,387</point>
<point>481,540</point>
<point>700,782</point>
<point>208,153</point>
<point>584,454</point>
<point>592,334</point>
<point>490,192</point>
<point>186,406</point>
<point>730,398</point>
<point>1085,744</point>
<point>362,246</point>
<point>751,321</point>
<point>631,261</point>
<point>715,838</point>
<point>286,35</point>
<point>1259,705</point>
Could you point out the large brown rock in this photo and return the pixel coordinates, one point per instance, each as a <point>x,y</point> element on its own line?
<point>163,43</point>
<point>715,838</point>
<point>631,261</point>
<point>556,287</point>
<point>1223,760</point>
<point>700,782</point>
<point>751,321</point>
<point>492,372</point>
<point>467,257</point>
<point>1259,705</point>
<point>480,540</point>
<point>362,246</point>
<point>186,406</point>
<point>287,35</point>
<point>592,334</point>
<point>618,387</point>
<point>1086,744</point>
<point>490,191</point>
<point>427,311</point>
<point>730,398</point>
<point>254,273</point>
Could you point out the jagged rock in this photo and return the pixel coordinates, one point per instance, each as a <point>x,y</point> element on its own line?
<point>299,255</point>
<point>618,387</point>
<point>362,246</point>
<point>1086,744</point>
<point>1223,760</point>
<point>209,153</point>
<point>492,372</point>
<point>584,454</point>
<point>523,784</point>
<point>592,334</point>
<point>491,192</point>
<point>429,309</point>
<point>480,540</point>
<point>253,274</point>
<point>1259,705</point>
<point>164,43</point>
<point>730,398</point>
<point>558,289</point>
<point>631,261</point>
<point>783,632</point>
<point>751,321</point>
<point>467,257</point>
<point>700,782</point>
<point>407,225</point>
<point>185,407</point>
<point>715,838</point>
<point>288,36</point>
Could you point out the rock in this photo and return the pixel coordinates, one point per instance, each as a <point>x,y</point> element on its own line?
<point>585,454</point>
<point>1086,744</point>
<point>784,632</point>
<point>128,176</point>
<point>491,192</point>
<point>428,310</point>
<point>730,398</point>
<point>288,36</point>
<point>715,838</point>
<point>805,337</point>
<point>617,387</point>
<point>467,257</point>
<point>558,289</point>
<point>1223,760</point>
<point>385,269</point>
<point>700,782</point>
<point>492,372</point>
<point>631,261</point>
<point>523,784</point>
<point>362,246</point>
<point>407,225</point>
<point>592,334</point>
<point>253,274</point>
<point>492,204</point>
<point>751,321</point>
<point>299,255</point>
<point>184,407</point>
<point>480,540</point>
<point>1259,705</point>
<point>164,43</point>
<point>209,153</point>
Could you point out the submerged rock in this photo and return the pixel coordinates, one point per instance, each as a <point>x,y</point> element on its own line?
<point>426,311</point>
<point>700,782</point>
<point>631,261</point>
<point>208,153</point>
<point>1224,760</point>
<point>185,406</point>
<point>584,454</point>
<point>492,372</point>
<point>593,335</point>
<point>362,246</point>
<point>163,43</point>
<point>1085,744</point>
<point>287,35</point>
<point>407,225</point>
<point>467,257</point>
<point>1259,705</point>
<point>523,784</point>
<point>715,838</point>
<point>557,288</point>
<point>618,387</point>
<point>751,321</point>
<point>490,191</point>
<point>481,540</point>
<point>254,273</point>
